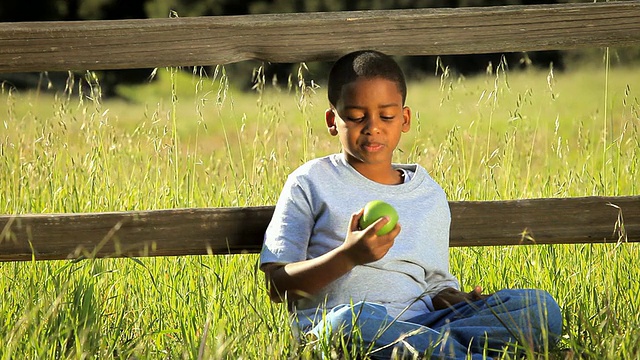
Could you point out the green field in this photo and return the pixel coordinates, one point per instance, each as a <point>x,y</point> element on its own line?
<point>193,140</point>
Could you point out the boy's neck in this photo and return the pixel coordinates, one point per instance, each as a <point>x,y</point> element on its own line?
<point>381,173</point>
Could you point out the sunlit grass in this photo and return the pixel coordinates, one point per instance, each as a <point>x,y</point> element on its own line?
<point>192,140</point>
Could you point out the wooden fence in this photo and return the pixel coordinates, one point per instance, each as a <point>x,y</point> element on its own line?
<point>93,45</point>
<point>120,44</point>
<point>240,230</point>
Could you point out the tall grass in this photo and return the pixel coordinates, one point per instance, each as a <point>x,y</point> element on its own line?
<point>192,140</point>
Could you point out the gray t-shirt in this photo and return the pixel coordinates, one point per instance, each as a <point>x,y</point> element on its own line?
<point>312,217</point>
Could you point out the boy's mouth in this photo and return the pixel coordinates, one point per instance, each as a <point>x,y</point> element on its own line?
<point>373,147</point>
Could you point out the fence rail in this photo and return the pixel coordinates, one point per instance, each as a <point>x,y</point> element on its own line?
<point>149,43</point>
<point>240,230</point>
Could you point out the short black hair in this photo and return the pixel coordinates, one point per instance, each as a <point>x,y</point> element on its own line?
<point>364,64</point>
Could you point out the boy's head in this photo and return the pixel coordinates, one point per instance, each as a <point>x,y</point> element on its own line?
<point>367,92</point>
<point>366,64</point>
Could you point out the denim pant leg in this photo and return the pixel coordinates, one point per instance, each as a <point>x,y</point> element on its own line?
<point>369,327</point>
<point>526,316</point>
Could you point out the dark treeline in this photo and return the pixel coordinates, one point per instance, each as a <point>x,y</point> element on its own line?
<point>415,66</point>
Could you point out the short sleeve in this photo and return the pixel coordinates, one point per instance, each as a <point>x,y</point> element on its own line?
<point>287,237</point>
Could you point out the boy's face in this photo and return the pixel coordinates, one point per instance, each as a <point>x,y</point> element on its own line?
<point>369,118</point>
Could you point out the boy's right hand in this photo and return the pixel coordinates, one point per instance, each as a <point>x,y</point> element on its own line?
<point>449,297</point>
<point>363,246</point>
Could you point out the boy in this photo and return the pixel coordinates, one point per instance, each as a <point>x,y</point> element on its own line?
<point>394,290</point>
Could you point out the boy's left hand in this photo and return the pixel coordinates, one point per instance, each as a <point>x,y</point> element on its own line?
<point>450,296</point>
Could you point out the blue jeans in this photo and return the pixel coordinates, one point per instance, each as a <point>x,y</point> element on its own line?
<point>529,318</point>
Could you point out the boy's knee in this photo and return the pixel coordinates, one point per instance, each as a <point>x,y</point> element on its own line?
<point>544,312</point>
<point>553,315</point>
<point>344,318</point>
<point>545,305</point>
<point>541,309</point>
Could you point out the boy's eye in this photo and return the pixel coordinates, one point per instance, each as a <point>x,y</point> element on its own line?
<point>358,118</point>
<point>355,119</point>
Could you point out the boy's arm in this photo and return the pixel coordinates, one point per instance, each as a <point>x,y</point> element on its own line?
<point>304,278</point>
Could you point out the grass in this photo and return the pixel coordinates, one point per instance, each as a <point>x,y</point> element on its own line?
<point>192,140</point>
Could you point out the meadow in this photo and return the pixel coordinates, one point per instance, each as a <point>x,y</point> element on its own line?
<point>194,140</point>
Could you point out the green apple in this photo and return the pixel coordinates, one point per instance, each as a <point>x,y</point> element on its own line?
<point>376,209</point>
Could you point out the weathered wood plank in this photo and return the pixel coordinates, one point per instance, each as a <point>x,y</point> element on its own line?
<point>142,233</point>
<point>238,230</point>
<point>148,43</point>
<point>545,221</point>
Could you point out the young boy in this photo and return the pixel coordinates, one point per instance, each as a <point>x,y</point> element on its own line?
<point>394,290</point>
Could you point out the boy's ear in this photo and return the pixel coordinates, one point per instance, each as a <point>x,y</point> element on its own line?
<point>406,115</point>
<point>330,119</point>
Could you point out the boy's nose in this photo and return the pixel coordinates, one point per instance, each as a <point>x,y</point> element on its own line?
<point>372,126</point>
